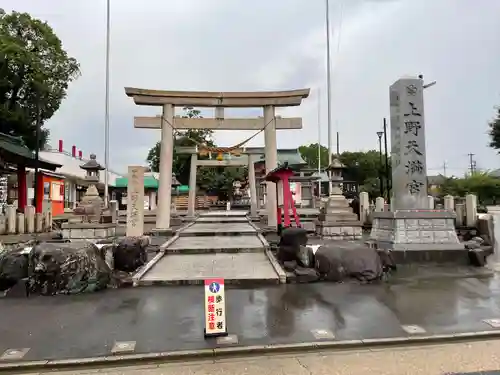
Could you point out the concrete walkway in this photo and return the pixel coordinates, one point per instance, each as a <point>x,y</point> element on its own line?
<point>473,358</point>
<point>218,244</point>
<point>159,319</point>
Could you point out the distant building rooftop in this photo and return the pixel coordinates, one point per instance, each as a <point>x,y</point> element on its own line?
<point>71,163</point>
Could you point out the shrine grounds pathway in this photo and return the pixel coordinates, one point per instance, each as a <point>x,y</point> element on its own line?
<point>472,358</point>
<point>164,319</point>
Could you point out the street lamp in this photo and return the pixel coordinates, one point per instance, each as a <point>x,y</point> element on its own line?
<point>388,185</point>
<point>381,184</point>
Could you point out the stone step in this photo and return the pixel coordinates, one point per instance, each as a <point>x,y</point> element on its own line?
<point>244,269</point>
<point>225,219</point>
<point>219,229</point>
<point>224,214</point>
<point>216,244</point>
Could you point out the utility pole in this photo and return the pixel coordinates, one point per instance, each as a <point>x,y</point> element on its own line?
<point>319,142</point>
<point>444,169</point>
<point>106,110</point>
<point>338,144</point>
<point>328,88</point>
<point>472,163</point>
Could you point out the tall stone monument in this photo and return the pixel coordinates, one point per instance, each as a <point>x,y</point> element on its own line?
<point>411,225</point>
<point>135,201</point>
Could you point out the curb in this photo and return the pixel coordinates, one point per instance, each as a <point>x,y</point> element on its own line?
<point>182,355</point>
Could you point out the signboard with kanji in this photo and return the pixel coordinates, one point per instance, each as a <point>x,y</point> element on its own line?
<point>215,310</point>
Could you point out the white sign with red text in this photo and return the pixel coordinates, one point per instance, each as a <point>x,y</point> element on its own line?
<point>215,308</point>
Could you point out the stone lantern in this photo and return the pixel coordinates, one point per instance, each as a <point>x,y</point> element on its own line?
<point>336,220</point>
<point>175,182</point>
<point>335,170</point>
<point>237,187</point>
<point>175,186</point>
<point>91,202</point>
<point>174,217</point>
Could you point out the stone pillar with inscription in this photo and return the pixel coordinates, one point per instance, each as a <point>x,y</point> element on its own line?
<point>135,201</point>
<point>412,224</point>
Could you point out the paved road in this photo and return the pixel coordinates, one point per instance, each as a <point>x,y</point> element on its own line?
<point>160,319</point>
<point>472,358</point>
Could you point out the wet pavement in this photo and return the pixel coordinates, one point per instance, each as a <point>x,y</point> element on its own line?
<point>474,358</point>
<point>159,319</point>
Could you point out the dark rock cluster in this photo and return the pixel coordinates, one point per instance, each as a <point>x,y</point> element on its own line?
<point>333,262</point>
<point>49,268</point>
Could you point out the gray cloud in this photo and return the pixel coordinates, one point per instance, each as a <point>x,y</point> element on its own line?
<point>263,45</point>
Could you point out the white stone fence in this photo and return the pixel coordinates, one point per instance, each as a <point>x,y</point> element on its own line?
<point>28,222</point>
<point>466,212</point>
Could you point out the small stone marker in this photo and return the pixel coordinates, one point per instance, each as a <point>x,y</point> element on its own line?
<point>413,329</point>
<point>215,308</point>
<point>494,323</point>
<point>14,354</point>
<point>322,334</point>
<point>227,340</point>
<point>121,347</point>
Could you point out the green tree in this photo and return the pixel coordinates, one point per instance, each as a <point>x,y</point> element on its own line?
<point>365,167</point>
<point>484,185</point>
<point>310,155</point>
<point>494,131</point>
<point>35,72</point>
<point>219,180</point>
<point>181,162</point>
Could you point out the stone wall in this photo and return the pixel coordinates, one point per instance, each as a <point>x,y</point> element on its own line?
<point>466,213</point>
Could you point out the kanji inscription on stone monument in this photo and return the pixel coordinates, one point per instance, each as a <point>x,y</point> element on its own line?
<point>408,144</point>
<point>135,201</point>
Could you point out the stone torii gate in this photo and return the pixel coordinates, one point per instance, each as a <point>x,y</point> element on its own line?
<point>168,122</point>
<point>251,154</point>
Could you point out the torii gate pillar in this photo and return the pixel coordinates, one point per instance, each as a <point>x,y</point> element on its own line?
<point>271,155</point>
<point>166,156</point>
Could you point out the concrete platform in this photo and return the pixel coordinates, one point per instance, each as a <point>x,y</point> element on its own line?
<point>223,213</point>
<point>222,219</point>
<point>439,253</point>
<point>193,269</point>
<point>216,244</point>
<point>217,229</point>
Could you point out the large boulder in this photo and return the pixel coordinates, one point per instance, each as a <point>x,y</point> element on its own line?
<point>335,263</point>
<point>293,237</point>
<point>130,253</point>
<point>67,268</point>
<point>291,240</point>
<point>328,263</point>
<point>363,264</point>
<point>13,266</point>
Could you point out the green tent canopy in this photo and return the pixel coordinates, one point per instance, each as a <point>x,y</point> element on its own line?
<point>149,182</point>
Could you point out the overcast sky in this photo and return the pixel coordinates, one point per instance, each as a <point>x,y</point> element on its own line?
<point>238,45</point>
